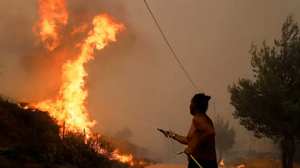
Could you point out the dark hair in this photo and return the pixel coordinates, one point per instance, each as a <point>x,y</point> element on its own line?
<point>201,102</point>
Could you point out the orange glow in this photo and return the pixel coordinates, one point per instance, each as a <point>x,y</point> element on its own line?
<point>222,162</point>
<point>24,104</point>
<point>69,106</point>
<point>240,166</point>
<point>79,29</point>
<point>122,158</point>
<point>53,15</point>
<point>141,162</point>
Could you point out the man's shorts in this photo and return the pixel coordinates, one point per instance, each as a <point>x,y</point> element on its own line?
<point>203,163</point>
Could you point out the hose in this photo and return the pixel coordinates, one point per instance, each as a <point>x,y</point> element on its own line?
<point>178,153</point>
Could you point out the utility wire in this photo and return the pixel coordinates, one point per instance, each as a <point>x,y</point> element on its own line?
<point>170,47</point>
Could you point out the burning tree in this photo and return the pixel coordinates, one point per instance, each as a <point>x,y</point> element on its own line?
<point>269,105</point>
<point>225,136</point>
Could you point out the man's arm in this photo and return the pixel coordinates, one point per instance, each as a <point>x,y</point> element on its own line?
<point>179,138</point>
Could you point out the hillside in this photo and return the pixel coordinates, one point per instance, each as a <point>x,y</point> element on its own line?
<point>31,139</point>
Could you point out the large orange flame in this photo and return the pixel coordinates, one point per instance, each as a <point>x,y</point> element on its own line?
<point>69,106</point>
<point>53,15</point>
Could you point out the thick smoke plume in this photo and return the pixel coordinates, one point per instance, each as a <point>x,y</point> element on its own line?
<point>39,70</point>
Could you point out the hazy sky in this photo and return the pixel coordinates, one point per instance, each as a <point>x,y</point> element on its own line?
<point>136,82</point>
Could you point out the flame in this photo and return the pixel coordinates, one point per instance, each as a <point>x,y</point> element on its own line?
<point>23,104</point>
<point>25,107</point>
<point>53,15</point>
<point>142,162</point>
<point>240,166</point>
<point>122,158</point>
<point>222,162</point>
<point>79,29</point>
<point>69,106</point>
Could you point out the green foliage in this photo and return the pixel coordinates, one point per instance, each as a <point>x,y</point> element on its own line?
<point>225,136</point>
<point>270,104</point>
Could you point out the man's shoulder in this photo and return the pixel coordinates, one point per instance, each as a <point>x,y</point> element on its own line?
<point>202,118</point>
<point>199,119</point>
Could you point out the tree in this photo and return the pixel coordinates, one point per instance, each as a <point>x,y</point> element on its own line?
<point>269,105</point>
<point>225,136</point>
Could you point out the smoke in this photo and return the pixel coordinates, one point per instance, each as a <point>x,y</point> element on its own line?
<point>124,134</point>
<point>32,72</point>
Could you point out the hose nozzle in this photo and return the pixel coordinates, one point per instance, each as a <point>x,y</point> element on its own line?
<point>161,130</point>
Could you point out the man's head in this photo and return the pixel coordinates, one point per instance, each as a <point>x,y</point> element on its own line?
<point>199,104</point>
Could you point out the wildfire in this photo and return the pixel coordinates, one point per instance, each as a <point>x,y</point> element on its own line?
<point>240,166</point>
<point>141,162</point>
<point>69,106</point>
<point>122,158</point>
<point>79,29</point>
<point>24,104</point>
<point>222,162</point>
<point>53,15</point>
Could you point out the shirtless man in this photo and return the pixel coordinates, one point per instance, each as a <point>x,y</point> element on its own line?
<point>201,136</point>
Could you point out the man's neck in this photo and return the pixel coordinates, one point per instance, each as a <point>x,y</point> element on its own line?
<point>198,114</point>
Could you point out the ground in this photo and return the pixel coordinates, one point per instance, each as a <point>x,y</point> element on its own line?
<point>167,166</point>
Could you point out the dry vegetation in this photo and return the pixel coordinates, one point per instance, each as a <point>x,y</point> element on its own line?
<point>32,140</point>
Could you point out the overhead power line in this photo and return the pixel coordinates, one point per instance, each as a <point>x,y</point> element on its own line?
<point>171,47</point>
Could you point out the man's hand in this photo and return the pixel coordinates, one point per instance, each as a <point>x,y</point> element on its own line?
<point>188,151</point>
<point>169,133</point>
